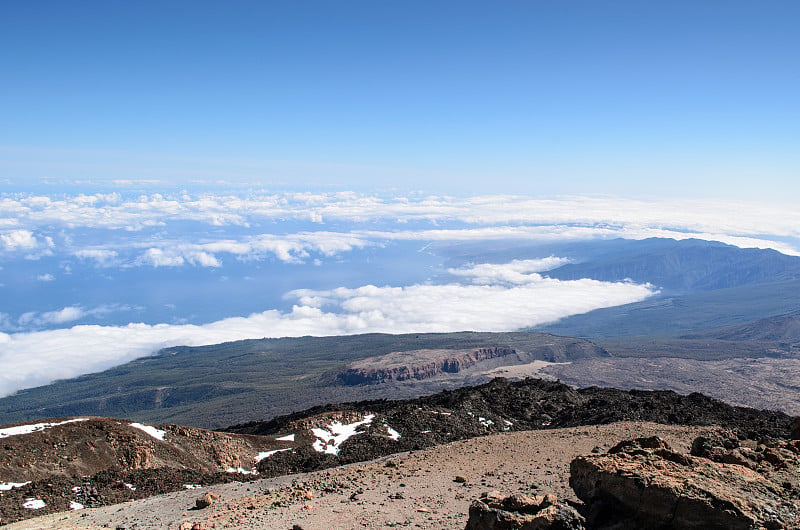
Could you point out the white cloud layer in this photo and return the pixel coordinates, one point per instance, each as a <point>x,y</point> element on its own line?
<point>133,219</point>
<point>497,298</point>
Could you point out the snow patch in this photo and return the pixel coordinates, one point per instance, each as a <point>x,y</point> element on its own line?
<point>192,486</point>
<point>33,504</point>
<point>330,440</point>
<point>158,434</point>
<point>267,454</point>
<point>34,427</point>
<point>75,505</point>
<point>393,434</point>
<point>130,486</point>
<point>486,423</point>
<point>5,486</point>
<point>287,438</point>
<point>242,470</point>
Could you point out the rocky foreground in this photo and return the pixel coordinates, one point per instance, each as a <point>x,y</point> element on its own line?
<point>80,463</point>
<point>506,480</point>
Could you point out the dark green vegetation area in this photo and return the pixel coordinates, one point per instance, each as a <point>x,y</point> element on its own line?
<point>215,386</point>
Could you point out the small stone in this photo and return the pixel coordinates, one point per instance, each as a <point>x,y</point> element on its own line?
<point>185,526</point>
<point>197,526</point>
<point>549,500</point>
<point>309,495</point>
<point>460,479</point>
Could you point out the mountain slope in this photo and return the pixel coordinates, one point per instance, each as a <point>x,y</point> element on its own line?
<point>779,329</point>
<point>672,316</point>
<point>686,266</point>
<point>213,386</point>
<point>96,461</point>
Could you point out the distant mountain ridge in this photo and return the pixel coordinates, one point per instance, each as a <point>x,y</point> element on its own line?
<point>685,266</point>
<point>674,316</point>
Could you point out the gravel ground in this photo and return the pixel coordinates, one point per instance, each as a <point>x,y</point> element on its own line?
<point>423,489</point>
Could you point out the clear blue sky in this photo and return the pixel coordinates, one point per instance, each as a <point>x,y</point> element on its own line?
<point>632,98</point>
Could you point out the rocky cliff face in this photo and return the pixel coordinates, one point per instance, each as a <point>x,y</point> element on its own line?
<point>425,364</point>
<point>420,369</point>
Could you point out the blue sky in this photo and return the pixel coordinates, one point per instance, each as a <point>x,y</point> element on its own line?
<point>632,98</point>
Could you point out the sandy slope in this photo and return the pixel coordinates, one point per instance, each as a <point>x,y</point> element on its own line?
<point>415,490</point>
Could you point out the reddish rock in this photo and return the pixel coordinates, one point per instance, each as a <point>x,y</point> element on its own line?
<point>521,511</point>
<point>658,488</point>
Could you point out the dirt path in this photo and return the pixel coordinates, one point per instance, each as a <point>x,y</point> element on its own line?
<point>414,490</point>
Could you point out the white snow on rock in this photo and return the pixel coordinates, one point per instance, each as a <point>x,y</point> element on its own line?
<point>75,505</point>
<point>5,486</point>
<point>34,427</point>
<point>287,438</point>
<point>242,471</point>
<point>393,434</point>
<point>329,440</point>
<point>267,454</point>
<point>486,423</point>
<point>152,431</point>
<point>192,486</point>
<point>130,486</point>
<point>33,504</point>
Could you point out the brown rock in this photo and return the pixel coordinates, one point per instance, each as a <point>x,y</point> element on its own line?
<point>640,487</point>
<point>185,526</point>
<point>522,512</point>
<point>460,479</point>
<point>205,500</point>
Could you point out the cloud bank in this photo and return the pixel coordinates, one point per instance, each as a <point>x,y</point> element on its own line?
<point>494,297</point>
<point>175,230</point>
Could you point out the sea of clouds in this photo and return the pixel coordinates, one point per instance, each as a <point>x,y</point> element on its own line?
<point>153,232</point>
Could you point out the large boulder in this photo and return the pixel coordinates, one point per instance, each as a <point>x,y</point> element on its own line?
<point>644,484</point>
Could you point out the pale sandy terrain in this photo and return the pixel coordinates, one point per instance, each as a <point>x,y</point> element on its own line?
<point>414,490</point>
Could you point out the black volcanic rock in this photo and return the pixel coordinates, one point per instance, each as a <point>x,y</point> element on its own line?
<point>540,404</point>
